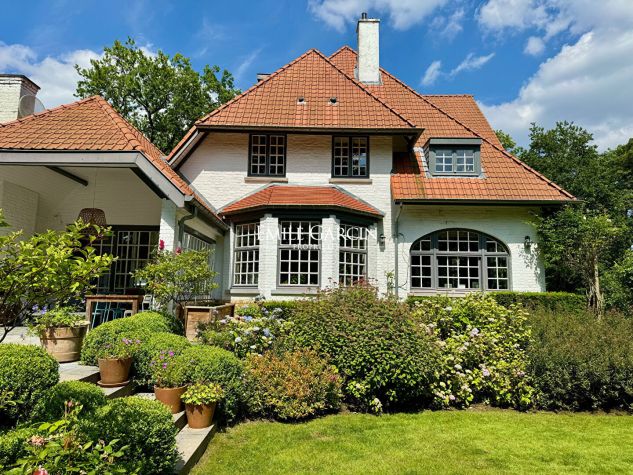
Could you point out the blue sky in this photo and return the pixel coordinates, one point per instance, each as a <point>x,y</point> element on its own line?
<point>524,60</point>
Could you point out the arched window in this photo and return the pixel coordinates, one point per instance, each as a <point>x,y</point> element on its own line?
<point>459,259</point>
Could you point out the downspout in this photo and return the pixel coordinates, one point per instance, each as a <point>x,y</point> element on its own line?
<point>181,225</point>
<point>396,239</point>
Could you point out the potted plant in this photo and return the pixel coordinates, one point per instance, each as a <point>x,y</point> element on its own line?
<point>61,332</point>
<point>115,360</point>
<point>169,380</point>
<point>200,400</point>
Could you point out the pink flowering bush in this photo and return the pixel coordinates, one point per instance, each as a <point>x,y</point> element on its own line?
<point>483,351</point>
<point>167,370</point>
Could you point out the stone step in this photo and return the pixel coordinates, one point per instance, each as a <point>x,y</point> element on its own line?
<point>191,444</point>
<point>78,372</point>
<point>122,391</point>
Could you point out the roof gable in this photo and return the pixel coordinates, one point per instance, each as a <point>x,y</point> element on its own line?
<point>456,116</point>
<point>274,102</point>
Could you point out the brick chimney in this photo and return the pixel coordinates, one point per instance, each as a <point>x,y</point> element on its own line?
<point>12,88</point>
<point>368,68</point>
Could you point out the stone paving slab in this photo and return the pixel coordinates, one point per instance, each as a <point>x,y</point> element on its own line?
<point>78,372</point>
<point>21,336</point>
<point>191,444</point>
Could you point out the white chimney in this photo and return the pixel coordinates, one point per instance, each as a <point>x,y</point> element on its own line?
<point>368,68</point>
<point>12,88</point>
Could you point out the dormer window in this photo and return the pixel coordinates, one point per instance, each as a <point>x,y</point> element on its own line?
<point>454,157</point>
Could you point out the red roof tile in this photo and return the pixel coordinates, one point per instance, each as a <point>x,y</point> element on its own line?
<point>274,102</point>
<point>300,196</point>
<point>88,125</point>
<point>506,178</point>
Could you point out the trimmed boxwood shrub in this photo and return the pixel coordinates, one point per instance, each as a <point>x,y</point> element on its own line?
<point>534,301</point>
<point>291,386</point>
<point>285,307</point>
<point>52,404</point>
<point>13,445</point>
<point>150,348</point>
<point>385,358</point>
<point>577,362</point>
<point>137,326</point>
<point>145,426</point>
<point>26,373</point>
<point>208,364</point>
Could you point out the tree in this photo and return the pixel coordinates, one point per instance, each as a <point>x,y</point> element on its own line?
<point>178,277</point>
<point>160,95</point>
<point>579,245</point>
<point>507,141</point>
<point>54,267</point>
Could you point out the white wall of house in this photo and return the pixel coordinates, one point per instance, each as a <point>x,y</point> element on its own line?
<point>218,169</point>
<point>505,223</point>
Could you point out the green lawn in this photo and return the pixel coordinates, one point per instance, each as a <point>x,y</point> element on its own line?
<point>472,441</point>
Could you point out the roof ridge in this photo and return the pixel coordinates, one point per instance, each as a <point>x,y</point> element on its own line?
<point>48,111</point>
<point>366,90</point>
<point>253,87</point>
<point>448,95</point>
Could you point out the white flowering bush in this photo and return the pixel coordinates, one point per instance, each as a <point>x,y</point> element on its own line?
<point>253,331</point>
<point>482,351</point>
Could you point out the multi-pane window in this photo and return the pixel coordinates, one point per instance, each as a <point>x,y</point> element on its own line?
<point>133,249</point>
<point>299,253</point>
<point>246,255</point>
<point>267,155</point>
<point>350,157</point>
<point>448,161</point>
<point>352,254</point>
<point>459,259</point>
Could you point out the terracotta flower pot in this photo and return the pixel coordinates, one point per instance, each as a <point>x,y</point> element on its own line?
<point>114,371</point>
<point>64,343</point>
<point>170,397</point>
<point>199,416</point>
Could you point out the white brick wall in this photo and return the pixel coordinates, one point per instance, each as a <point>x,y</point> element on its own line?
<point>19,206</point>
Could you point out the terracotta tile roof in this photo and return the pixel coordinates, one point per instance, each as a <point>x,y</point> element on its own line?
<point>505,176</point>
<point>300,196</point>
<point>274,102</point>
<point>89,125</point>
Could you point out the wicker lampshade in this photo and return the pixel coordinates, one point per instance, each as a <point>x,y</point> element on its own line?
<point>94,216</point>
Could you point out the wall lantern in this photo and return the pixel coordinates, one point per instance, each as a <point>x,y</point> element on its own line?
<point>527,242</point>
<point>381,239</point>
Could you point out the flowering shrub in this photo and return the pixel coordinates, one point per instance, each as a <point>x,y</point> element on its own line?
<point>153,345</point>
<point>119,349</point>
<point>292,386</point>
<point>201,393</point>
<point>58,317</point>
<point>482,351</point>
<point>167,371</point>
<point>383,356</point>
<point>253,331</point>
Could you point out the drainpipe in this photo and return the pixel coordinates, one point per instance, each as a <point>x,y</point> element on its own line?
<point>396,238</point>
<point>181,225</point>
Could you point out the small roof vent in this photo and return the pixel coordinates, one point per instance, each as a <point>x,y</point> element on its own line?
<point>301,100</point>
<point>333,100</point>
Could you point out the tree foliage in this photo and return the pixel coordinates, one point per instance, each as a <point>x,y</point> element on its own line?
<point>51,267</point>
<point>160,95</point>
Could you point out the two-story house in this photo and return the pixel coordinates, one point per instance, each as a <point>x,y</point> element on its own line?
<point>326,172</point>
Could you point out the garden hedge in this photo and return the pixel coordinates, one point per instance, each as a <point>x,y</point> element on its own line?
<point>13,445</point>
<point>51,406</point>
<point>138,326</point>
<point>145,426</point>
<point>215,365</point>
<point>553,301</point>
<point>26,374</point>
<point>254,310</point>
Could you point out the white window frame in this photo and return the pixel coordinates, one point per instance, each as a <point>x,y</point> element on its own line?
<point>353,244</point>
<point>246,255</point>
<point>299,244</point>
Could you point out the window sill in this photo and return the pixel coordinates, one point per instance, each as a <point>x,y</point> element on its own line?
<point>351,181</point>
<point>243,291</point>
<point>265,179</point>
<point>295,291</point>
<point>449,292</point>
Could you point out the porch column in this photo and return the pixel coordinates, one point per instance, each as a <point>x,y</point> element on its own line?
<point>373,253</point>
<point>168,224</point>
<point>330,228</point>
<point>268,237</point>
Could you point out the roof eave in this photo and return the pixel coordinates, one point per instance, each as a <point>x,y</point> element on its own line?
<point>488,202</point>
<point>239,128</point>
<point>250,209</point>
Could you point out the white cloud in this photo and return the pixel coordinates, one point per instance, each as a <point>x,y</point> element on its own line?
<point>534,46</point>
<point>588,82</point>
<point>402,13</point>
<point>447,28</point>
<point>56,76</point>
<point>471,63</point>
<point>432,73</point>
<point>245,65</point>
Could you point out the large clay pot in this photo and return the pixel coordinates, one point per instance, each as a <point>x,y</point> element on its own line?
<point>114,372</point>
<point>199,416</point>
<point>170,397</point>
<point>64,343</point>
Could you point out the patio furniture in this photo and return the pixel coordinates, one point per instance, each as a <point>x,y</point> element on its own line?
<point>106,307</point>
